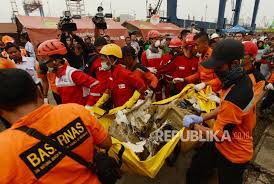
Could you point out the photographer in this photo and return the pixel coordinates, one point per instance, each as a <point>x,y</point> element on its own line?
<point>77,55</point>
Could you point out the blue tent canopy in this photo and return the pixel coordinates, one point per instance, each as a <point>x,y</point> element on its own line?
<point>236,29</point>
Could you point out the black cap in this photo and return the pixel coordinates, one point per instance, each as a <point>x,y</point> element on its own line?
<point>100,41</point>
<point>225,52</point>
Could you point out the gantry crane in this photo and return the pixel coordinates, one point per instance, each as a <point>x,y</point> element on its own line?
<point>32,5</point>
<point>14,10</point>
<point>76,7</point>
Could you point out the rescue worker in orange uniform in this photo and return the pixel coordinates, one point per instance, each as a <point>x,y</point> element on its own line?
<point>231,147</point>
<point>203,76</point>
<point>25,159</point>
<point>182,64</point>
<point>251,51</point>
<point>123,84</point>
<point>256,76</point>
<point>74,86</point>
<point>152,58</point>
<point>130,62</point>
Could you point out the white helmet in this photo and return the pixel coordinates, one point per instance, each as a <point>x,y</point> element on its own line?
<point>214,35</point>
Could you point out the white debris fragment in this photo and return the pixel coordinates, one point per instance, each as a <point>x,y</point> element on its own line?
<point>137,148</point>
<point>121,118</point>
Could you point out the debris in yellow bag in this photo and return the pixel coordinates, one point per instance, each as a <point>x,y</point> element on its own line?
<point>137,147</point>
<point>147,158</point>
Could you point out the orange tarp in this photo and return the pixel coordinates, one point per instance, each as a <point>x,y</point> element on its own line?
<point>145,27</point>
<point>44,28</point>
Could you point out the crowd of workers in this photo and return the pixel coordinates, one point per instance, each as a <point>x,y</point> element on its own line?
<point>99,73</point>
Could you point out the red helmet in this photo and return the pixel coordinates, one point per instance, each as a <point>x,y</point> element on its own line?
<point>153,34</point>
<point>51,47</point>
<point>175,42</point>
<point>250,48</point>
<point>190,39</point>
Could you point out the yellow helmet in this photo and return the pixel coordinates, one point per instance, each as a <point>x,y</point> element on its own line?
<point>112,50</point>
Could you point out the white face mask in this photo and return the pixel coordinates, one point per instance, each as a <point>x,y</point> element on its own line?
<point>50,69</point>
<point>198,55</point>
<point>157,43</point>
<point>105,66</point>
<point>163,42</point>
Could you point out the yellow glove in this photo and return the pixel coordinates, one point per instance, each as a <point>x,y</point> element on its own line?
<point>115,110</point>
<point>128,104</point>
<point>102,100</point>
<point>135,97</point>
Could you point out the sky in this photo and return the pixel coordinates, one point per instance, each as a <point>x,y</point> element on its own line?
<point>185,9</point>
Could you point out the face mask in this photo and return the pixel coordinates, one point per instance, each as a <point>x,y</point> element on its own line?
<point>55,68</point>
<point>198,55</point>
<point>157,43</point>
<point>51,69</point>
<point>163,42</point>
<point>228,78</point>
<point>105,66</point>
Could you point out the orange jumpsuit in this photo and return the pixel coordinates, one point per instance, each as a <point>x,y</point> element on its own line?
<point>205,75</point>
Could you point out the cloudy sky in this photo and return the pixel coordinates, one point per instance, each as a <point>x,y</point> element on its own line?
<point>196,8</point>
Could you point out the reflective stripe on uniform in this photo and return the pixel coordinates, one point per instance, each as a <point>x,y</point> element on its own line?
<point>94,94</point>
<point>94,84</point>
<point>66,80</point>
<point>151,55</point>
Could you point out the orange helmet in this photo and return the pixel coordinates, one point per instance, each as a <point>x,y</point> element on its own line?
<point>190,39</point>
<point>5,63</point>
<point>153,34</point>
<point>7,39</point>
<point>250,48</point>
<point>51,47</point>
<point>175,42</point>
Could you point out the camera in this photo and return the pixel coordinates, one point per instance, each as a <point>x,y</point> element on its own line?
<point>99,19</point>
<point>66,23</point>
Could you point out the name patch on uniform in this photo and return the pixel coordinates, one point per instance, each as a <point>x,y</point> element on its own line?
<point>41,157</point>
<point>121,86</point>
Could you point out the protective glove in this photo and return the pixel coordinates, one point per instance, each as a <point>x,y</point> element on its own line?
<point>135,97</point>
<point>269,87</point>
<point>214,98</point>
<point>199,87</point>
<point>191,119</point>
<point>102,100</point>
<point>177,80</point>
<point>152,69</point>
<point>46,101</point>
